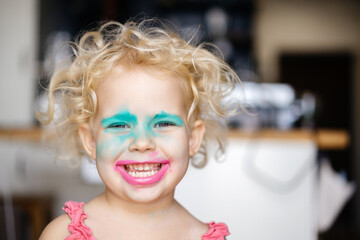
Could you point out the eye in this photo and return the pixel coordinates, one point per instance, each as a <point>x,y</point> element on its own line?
<point>119,125</point>
<point>164,124</point>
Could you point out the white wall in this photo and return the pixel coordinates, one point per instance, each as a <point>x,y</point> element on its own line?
<point>18,48</point>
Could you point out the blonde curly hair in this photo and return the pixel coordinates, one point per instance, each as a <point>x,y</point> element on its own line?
<point>208,79</point>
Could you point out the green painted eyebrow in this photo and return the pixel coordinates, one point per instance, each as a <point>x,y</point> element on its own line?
<point>124,116</point>
<point>169,117</point>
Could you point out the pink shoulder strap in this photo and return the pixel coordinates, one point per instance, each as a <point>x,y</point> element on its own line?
<point>217,231</point>
<point>77,227</point>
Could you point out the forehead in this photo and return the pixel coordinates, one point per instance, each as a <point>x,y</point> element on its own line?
<point>139,89</point>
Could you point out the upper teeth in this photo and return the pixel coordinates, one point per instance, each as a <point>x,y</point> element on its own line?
<point>141,167</point>
<point>142,170</point>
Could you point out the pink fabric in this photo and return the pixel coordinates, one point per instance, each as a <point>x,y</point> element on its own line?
<point>217,231</point>
<point>77,227</point>
<point>79,231</point>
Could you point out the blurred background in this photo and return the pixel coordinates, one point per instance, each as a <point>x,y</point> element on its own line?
<point>299,61</point>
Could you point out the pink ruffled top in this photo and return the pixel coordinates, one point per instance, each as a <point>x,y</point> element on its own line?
<point>79,231</point>
<point>77,227</point>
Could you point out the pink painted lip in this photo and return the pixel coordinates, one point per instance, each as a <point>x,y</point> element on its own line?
<point>142,180</point>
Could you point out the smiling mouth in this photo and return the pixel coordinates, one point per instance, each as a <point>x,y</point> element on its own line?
<point>142,170</point>
<point>142,173</point>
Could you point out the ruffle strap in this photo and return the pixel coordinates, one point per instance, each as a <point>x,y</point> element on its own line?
<point>77,226</point>
<point>217,231</point>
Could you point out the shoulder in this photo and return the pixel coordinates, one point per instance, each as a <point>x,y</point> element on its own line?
<point>195,229</point>
<point>208,231</point>
<point>216,231</point>
<point>198,229</point>
<point>57,229</point>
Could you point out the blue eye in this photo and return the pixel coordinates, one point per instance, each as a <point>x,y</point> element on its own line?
<point>164,124</point>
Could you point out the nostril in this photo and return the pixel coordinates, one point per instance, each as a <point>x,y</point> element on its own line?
<point>142,144</point>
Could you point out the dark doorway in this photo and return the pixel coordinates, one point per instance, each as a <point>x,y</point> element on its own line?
<point>329,76</point>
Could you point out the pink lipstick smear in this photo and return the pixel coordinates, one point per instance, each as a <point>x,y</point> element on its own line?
<point>153,154</point>
<point>120,167</point>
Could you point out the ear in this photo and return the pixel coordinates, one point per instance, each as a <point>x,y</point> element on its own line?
<point>88,140</point>
<point>196,137</point>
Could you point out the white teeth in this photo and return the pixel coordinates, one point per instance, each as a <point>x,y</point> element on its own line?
<point>142,174</point>
<point>143,170</point>
<point>141,167</point>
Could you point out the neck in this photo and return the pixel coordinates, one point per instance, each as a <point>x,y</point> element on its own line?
<point>154,209</point>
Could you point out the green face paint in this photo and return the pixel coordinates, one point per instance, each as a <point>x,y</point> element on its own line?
<point>164,117</point>
<point>109,146</point>
<point>159,121</point>
<point>124,125</point>
<point>119,121</point>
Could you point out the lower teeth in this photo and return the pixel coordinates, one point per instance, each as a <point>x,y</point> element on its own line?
<point>142,174</point>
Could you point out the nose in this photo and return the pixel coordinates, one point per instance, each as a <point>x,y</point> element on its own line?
<point>142,143</point>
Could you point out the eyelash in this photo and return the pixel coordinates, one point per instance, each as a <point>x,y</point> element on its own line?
<point>164,124</point>
<point>157,125</point>
<point>119,125</point>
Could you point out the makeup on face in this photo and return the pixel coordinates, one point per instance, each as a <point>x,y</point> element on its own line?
<point>125,125</point>
<point>142,173</point>
<point>153,154</point>
<point>122,123</point>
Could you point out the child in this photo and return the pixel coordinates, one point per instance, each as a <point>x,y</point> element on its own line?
<point>137,99</point>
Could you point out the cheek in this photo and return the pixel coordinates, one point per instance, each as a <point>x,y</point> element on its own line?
<point>109,146</point>
<point>176,148</point>
<point>179,142</point>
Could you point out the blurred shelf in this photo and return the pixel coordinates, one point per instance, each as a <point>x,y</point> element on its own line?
<point>332,139</point>
<point>28,134</point>
<point>326,139</point>
<point>273,134</point>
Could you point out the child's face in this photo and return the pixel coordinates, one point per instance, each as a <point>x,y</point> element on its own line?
<point>141,118</point>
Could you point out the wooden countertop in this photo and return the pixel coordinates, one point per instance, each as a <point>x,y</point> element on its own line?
<point>326,139</point>
<point>27,134</point>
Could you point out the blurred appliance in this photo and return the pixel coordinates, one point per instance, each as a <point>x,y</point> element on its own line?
<point>271,105</point>
<point>265,189</point>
